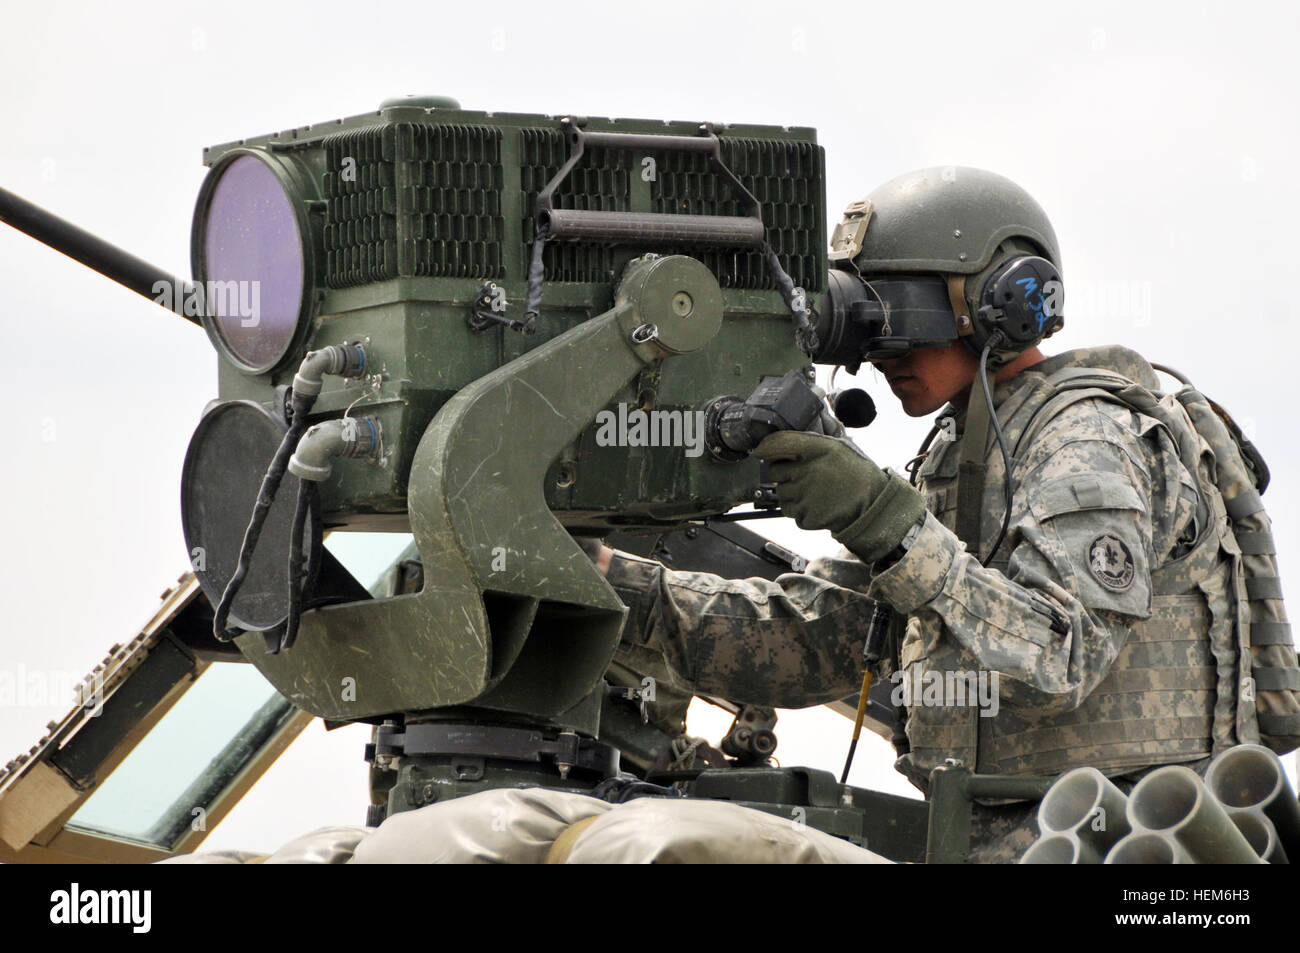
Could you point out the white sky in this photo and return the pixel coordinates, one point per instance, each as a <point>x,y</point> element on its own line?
<point>1161,140</point>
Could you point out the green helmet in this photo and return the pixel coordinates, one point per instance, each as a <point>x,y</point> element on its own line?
<point>950,220</point>
<point>960,223</point>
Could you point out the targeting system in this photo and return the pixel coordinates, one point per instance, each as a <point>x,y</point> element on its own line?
<point>495,281</point>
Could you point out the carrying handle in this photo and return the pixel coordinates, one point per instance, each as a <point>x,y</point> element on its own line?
<point>659,228</point>
<point>562,224</point>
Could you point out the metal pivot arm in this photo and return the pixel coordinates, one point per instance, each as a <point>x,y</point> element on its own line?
<point>97,254</point>
<point>512,615</point>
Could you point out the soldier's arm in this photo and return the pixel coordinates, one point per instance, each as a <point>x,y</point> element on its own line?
<point>1082,544</point>
<point>788,643</point>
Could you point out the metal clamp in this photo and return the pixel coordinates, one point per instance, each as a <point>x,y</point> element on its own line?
<point>488,310</point>
<point>565,750</point>
<point>644,334</point>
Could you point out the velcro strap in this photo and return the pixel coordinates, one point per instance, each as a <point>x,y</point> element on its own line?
<point>1277,679</point>
<point>1270,633</point>
<point>1246,503</point>
<point>1256,544</point>
<point>1184,618</point>
<point>1279,726</point>
<point>1160,680</point>
<point>970,504</point>
<point>941,737</point>
<point>972,470</point>
<point>1264,587</point>
<point>563,845</point>
<point>1067,737</point>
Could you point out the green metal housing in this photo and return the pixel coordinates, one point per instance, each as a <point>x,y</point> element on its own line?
<point>410,217</point>
<point>411,210</point>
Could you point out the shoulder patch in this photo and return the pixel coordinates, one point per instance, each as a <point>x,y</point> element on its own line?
<point>1111,562</point>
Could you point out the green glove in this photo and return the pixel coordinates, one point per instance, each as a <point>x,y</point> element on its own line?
<point>828,483</point>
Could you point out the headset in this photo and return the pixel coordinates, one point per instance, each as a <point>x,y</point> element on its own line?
<point>1014,303</point>
<point>1022,300</point>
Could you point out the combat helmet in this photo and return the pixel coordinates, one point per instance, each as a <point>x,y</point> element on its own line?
<point>967,225</point>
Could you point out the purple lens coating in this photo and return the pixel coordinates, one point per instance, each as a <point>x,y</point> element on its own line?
<point>253,262</point>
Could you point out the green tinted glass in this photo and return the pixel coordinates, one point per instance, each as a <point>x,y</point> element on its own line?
<point>171,778</point>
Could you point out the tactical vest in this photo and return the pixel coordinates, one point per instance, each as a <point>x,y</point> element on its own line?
<point>1217,623</point>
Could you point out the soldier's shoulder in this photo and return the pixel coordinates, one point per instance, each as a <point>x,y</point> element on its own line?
<point>1097,434</point>
<point>1092,418</point>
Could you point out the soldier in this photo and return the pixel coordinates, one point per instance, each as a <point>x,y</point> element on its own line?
<point>1088,589</point>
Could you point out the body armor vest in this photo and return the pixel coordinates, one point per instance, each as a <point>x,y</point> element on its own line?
<point>1172,693</point>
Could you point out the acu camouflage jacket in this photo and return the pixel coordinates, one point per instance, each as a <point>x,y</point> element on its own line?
<point>1106,614</point>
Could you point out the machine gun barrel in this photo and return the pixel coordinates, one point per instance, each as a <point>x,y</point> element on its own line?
<point>93,252</point>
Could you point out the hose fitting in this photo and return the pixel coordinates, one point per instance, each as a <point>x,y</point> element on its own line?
<point>345,437</point>
<point>341,360</point>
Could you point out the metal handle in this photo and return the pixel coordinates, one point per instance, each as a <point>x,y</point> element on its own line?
<point>648,227</point>
<point>655,228</point>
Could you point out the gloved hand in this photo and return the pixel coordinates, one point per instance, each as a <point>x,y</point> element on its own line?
<point>828,483</point>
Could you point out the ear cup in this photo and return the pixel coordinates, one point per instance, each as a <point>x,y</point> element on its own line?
<point>1023,299</point>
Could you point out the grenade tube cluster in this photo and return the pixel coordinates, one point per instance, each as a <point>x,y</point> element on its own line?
<point>1244,812</point>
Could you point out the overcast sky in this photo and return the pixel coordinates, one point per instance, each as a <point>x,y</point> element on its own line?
<point>1161,140</point>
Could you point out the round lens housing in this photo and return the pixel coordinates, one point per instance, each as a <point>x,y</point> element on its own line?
<point>252,257</point>
<point>220,482</point>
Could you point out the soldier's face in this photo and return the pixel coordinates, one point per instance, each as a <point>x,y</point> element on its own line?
<point>929,377</point>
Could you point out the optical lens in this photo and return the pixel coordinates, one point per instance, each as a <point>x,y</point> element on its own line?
<point>252,263</point>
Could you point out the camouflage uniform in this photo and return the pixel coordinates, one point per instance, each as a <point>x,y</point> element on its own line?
<point>1096,614</point>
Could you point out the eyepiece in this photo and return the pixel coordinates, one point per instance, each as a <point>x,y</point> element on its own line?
<point>734,427</point>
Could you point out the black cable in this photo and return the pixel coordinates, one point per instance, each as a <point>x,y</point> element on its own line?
<point>265,497</point>
<point>805,334</point>
<point>1002,444</point>
<point>913,466</point>
<point>297,569</point>
<point>536,275</point>
<point>623,788</point>
<point>348,360</point>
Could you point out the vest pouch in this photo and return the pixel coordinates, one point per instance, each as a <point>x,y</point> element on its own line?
<point>1269,682</point>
